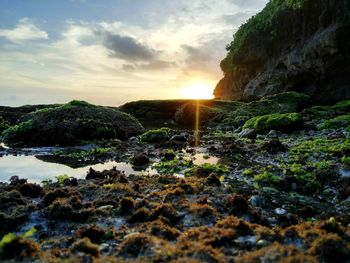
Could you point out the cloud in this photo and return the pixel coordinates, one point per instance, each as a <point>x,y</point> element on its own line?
<point>197,54</point>
<point>151,50</point>
<point>249,4</point>
<point>152,65</point>
<point>128,48</point>
<point>237,18</point>
<point>25,30</point>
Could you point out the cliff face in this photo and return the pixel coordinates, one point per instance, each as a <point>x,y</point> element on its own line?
<point>292,45</point>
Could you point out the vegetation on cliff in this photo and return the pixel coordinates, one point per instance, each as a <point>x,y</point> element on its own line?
<point>298,45</point>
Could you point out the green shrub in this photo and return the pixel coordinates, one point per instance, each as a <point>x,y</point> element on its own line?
<point>61,179</point>
<point>283,122</point>
<point>262,22</point>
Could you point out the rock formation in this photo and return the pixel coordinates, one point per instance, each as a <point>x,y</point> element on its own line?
<point>292,45</point>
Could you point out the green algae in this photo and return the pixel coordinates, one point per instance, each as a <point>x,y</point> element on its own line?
<point>285,122</point>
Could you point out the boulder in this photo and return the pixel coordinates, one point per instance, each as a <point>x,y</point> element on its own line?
<point>187,114</point>
<point>248,133</point>
<point>70,124</point>
<point>284,122</point>
<point>140,159</point>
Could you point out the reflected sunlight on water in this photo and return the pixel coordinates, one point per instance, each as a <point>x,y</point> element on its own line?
<point>36,170</point>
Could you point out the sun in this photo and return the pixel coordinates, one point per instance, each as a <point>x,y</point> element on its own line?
<point>198,91</point>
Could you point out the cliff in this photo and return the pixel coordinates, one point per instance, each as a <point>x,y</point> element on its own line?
<point>291,45</point>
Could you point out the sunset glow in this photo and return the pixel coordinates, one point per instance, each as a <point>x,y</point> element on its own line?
<point>198,91</point>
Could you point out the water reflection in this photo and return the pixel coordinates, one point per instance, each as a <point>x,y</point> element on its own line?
<point>36,170</point>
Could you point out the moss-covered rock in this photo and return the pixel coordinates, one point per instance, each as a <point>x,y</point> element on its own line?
<point>153,112</point>
<point>85,246</point>
<point>286,102</point>
<point>342,121</point>
<point>158,113</point>
<point>187,114</point>
<point>286,122</point>
<point>156,135</point>
<point>70,124</point>
<point>19,248</point>
<point>3,124</point>
<point>342,105</point>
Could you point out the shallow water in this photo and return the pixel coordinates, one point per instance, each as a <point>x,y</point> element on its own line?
<point>36,170</point>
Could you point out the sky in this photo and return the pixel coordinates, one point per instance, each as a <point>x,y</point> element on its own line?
<point>109,52</point>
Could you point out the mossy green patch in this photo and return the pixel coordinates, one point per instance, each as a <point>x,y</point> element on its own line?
<point>342,121</point>
<point>19,246</point>
<point>3,125</point>
<point>267,178</point>
<point>322,145</point>
<point>156,135</point>
<point>283,122</point>
<point>286,102</point>
<point>248,172</point>
<point>345,160</point>
<point>71,123</point>
<point>20,130</point>
<point>97,152</point>
<point>342,105</point>
<point>262,22</point>
<point>206,169</point>
<point>172,166</point>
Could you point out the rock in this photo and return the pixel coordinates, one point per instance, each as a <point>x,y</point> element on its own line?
<point>30,190</point>
<point>273,146</point>
<point>213,179</point>
<point>94,233</point>
<point>248,133</point>
<point>15,180</point>
<point>127,204</point>
<point>71,181</point>
<point>182,137</point>
<point>280,211</point>
<point>263,243</point>
<point>273,134</point>
<point>92,174</point>
<point>285,122</point>
<point>105,207</point>
<point>237,203</point>
<point>140,159</point>
<point>169,155</point>
<point>306,212</point>
<point>293,50</point>
<point>70,124</point>
<point>134,139</point>
<point>156,136</point>
<point>186,114</point>
<point>257,201</point>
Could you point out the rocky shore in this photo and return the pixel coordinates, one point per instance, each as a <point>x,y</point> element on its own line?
<point>278,190</point>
